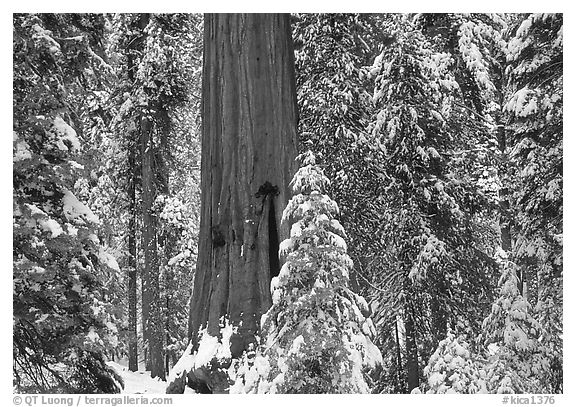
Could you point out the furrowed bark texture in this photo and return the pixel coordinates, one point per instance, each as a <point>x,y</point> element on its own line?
<point>248,139</point>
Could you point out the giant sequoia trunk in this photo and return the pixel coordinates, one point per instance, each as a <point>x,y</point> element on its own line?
<point>248,149</point>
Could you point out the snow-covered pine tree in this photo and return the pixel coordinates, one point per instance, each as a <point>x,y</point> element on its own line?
<point>535,113</point>
<point>331,51</point>
<point>63,319</point>
<point>454,369</point>
<point>152,62</point>
<point>316,336</point>
<point>516,64</point>
<point>430,224</point>
<point>511,358</point>
<point>179,226</point>
<point>515,355</point>
<point>475,42</point>
<point>334,101</point>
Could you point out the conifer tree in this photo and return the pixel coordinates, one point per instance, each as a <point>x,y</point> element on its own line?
<point>431,221</point>
<point>152,65</point>
<point>453,368</point>
<point>63,320</point>
<point>535,113</point>
<point>316,336</point>
<point>510,338</point>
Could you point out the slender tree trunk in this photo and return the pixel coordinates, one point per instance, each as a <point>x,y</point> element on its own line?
<point>411,350</point>
<point>439,317</point>
<point>248,146</point>
<point>133,51</point>
<point>506,236</point>
<point>151,275</point>
<point>505,214</point>
<point>146,241</point>
<point>132,271</point>
<point>398,355</point>
<point>166,238</point>
<point>167,333</point>
<point>506,217</point>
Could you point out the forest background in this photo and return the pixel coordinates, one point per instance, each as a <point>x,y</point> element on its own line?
<point>334,175</point>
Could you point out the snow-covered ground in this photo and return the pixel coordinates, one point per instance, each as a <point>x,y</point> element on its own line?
<point>138,382</point>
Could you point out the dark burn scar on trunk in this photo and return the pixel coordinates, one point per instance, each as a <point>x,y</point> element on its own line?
<point>267,189</point>
<point>273,243</point>
<point>218,239</point>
